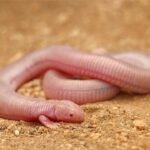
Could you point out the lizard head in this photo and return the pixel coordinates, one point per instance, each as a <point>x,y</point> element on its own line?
<point>68,112</point>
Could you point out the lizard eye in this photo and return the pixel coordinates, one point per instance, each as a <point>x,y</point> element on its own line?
<point>71,115</point>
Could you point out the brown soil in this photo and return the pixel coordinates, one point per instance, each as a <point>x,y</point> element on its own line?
<point>118,25</point>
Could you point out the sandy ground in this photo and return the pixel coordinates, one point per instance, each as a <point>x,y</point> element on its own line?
<point>118,25</point>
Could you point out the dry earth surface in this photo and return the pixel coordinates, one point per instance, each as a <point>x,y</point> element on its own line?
<point>118,25</point>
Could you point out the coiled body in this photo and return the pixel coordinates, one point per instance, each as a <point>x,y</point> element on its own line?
<point>109,73</point>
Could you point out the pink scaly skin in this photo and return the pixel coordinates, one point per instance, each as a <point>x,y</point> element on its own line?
<point>111,70</point>
<point>58,86</point>
<point>17,107</point>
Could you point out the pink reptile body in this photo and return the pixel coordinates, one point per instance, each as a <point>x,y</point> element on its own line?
<point>108,73</point>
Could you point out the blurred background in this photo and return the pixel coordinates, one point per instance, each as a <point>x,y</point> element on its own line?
<point>117,25</point>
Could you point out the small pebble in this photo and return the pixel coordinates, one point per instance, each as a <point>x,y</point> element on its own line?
<point>115,108</point>
<point>16,132</point>
<point>140,124</point>
<point>93,122</point>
